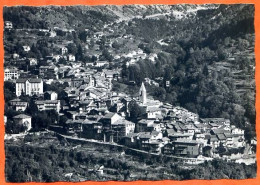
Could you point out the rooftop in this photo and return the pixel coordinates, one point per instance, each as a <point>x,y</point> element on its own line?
<point>21,116</point>
<point>31,80</point>
<point>185,141</point>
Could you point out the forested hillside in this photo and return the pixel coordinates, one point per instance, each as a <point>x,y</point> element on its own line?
<point>58,158</point>
<point>86,16</point>
<point>67,17</point>
<point>208,60</point>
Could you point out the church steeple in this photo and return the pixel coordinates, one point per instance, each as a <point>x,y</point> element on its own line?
<point>142,94</point>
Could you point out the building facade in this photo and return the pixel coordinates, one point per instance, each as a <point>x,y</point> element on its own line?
<point>11,73</point>
<point>29,87</point>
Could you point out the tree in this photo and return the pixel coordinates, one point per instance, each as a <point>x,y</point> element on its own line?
<point>72,48</point>
<point>62,61</point>
<point>42,119</point>
<point>83,36</point>
<point>62,120</point>
<point>136,112</point>
<point>32,109</point>
<point>221,149</point>
<point>106,55</point>
<point>207,151</point>
<point>8,94</point>
<point>14,128</point>
<point>79,54</point>
<point>116,45</point>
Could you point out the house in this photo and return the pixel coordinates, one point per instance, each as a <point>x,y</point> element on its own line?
<point>92,129</point>
<point>33,61</point>
<point>178,136</point>
<point>8,25</point>
<point>24,120</point>
<point>201,138</point>
<point>237,131</point>
<point>168,149</point>
<point>98,35</point>
<point>222,139</point>
<point>11,73</point>
<point>130,140</point>
<point>63,50</point>
<point>26,48</point>
<point>81,115</point>
<point>152,112</point>
<point>186,148</point>
<point>101,63</point>
<point>238,137</point>
<point>111,74</point>
<point>50,95</point>
<point>56,58</point>
<point>150,141</point>
<point>215,121</point>
<point>18,104</point>
<point>48,105</point>
<point>87,105</point>
<point>110,118</point>
<point>229,139</point>
<point>89,63</point>
<point>144,125</point>
<point>52,33</point>
<point>77,82</point>
<point>15,56</point>
<point>31,86</point>
<point>115,127</point>
<point>214,141</point>
<point>71,58</point>
<point>73,126</point>
<point>44,71</point>
<point>122,128</point>
<point>95,93</point>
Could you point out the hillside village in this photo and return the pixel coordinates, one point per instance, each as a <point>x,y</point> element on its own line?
<point>54,82</point>
<point>94,111</point>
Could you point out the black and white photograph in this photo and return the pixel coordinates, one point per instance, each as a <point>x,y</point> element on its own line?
<point>129,92</point>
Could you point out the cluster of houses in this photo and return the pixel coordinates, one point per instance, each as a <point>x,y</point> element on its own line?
<point>17,66</point>
<point>94,111</point>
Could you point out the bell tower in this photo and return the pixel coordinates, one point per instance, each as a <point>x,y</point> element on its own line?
<point>142,94</point>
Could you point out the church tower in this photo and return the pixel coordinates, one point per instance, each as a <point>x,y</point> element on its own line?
<point>142,94</point>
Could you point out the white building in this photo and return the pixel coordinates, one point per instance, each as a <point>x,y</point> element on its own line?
<point>33,61</point>
<point>237,131</point>
<point>64,50</point>
<point>153,112</point>
<point>101,63</point>
<point>50,95</point>
<point>8,25</point>
<point>29,86</point>
<point>18,104</point>
<point>71,58</point>
<point>26,48</point>
<point>48,105</point>
<point>142,94</point>
<point>11,73</point>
